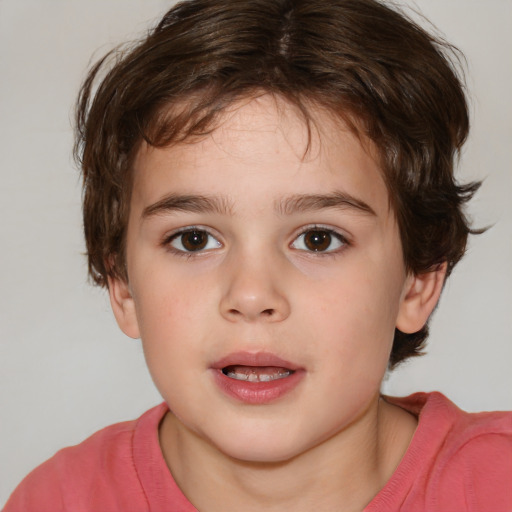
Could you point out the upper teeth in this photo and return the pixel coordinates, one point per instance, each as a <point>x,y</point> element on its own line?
<point>258,377</point>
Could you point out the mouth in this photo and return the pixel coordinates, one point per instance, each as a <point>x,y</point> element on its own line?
<point>256,373</point>
<point>256,378</point>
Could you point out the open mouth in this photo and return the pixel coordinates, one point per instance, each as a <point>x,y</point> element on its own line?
<point>256,373</point>
<point>256,378</point>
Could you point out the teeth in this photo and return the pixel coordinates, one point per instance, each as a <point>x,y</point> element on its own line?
<point>253,375</point>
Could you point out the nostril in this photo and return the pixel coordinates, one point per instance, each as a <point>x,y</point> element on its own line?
<point>265,312</point>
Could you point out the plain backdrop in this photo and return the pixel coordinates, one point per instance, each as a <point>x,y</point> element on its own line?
<point>65,368</point>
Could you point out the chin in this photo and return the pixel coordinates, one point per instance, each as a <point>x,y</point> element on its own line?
<point>261,447</point>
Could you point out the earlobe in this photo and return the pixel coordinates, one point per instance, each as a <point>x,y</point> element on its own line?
<point>421,294</point>
<point>123,306</point>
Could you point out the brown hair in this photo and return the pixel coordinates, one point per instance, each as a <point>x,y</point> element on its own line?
<point>359,59</point>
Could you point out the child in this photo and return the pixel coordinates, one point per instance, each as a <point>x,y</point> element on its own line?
<point>269,199</point>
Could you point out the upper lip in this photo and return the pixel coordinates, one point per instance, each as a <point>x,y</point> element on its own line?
<point>254,359</point>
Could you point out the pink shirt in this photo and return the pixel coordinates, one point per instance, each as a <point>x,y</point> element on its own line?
<point>456,462</point>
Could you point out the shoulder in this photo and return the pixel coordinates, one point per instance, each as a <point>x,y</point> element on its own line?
<point>472,459</point>
<point>476,461</point>
<point>456,461</point>
<point>464,435</point>
<point>92,472</point>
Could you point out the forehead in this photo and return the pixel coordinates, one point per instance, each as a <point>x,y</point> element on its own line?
<point>264,144</point>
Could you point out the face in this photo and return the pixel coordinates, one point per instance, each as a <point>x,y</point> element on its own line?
<point>265,281</point>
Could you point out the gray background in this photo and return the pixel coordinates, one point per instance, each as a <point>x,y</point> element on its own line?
<point>65,368</point>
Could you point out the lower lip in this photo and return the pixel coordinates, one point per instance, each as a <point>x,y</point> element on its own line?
<point>257,393</point>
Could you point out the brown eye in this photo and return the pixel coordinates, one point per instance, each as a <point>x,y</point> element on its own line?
<point>194,240</point>
<point>317,240</point>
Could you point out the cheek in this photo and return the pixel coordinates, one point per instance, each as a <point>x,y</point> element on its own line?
<point>164,322</point>
<point>356,321</point>
<point>172,311</point>
<point>363,302</point>
<point>170,340</point>
<point>166,299</point>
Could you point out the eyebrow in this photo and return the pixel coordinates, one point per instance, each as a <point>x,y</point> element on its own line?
<point>287,206</point>
<point>312,202</point>
<point>189,203</point>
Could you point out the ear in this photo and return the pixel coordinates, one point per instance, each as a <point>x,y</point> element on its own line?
<point>123,306</point>
<point>420,296</point>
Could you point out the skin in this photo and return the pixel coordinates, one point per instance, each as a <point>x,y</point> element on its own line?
<point>332,442</point>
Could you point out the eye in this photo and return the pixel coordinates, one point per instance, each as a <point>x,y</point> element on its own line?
<point>319,240</point>
<point>193,240</point>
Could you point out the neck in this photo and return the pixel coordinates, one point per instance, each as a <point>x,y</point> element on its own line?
<point>341,473</point>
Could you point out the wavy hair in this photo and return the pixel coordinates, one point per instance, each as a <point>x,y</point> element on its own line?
<point>359,59</point>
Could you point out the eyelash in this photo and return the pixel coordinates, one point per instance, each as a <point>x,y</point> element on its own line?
<point>332,234</point>
<point>167,242</point>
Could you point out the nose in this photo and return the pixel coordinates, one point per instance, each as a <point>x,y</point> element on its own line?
<point>254,291</point>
